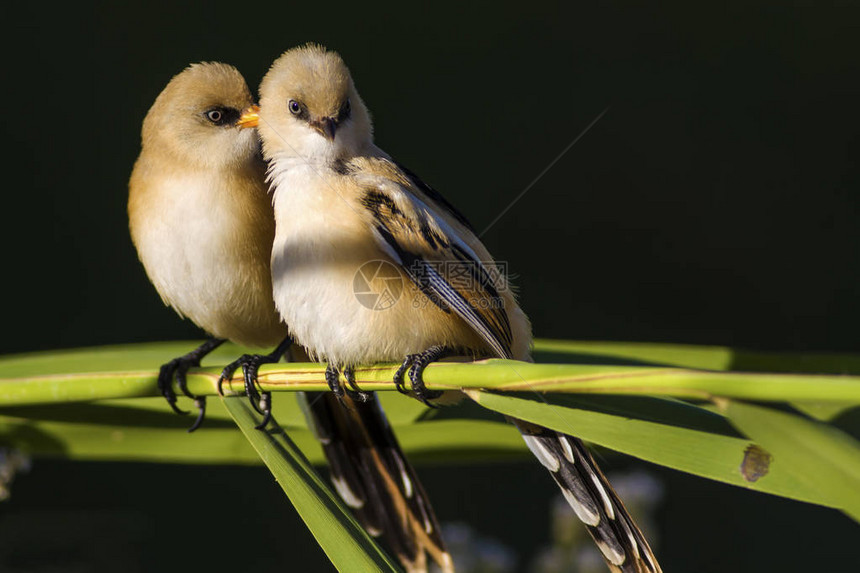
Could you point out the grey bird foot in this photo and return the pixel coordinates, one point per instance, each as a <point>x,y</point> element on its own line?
<point>416,372</point>
<point>250,364</point>
<point>177,369</point>
<point>332,378</point>
<point>401,372</point>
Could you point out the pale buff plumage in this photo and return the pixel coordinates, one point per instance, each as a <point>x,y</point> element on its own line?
<point>198,209</point>
<point>326,233</point>
<point>340,202</point>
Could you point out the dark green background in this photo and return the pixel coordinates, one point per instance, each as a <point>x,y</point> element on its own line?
<point>716,202</point>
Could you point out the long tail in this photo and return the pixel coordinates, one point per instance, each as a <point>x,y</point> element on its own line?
<point>374,478</point>
<point>592,498</point>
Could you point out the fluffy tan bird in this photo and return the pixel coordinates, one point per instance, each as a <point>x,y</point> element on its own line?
<point>203,225</point>
<point>201,219</point>
<point>341,203</point>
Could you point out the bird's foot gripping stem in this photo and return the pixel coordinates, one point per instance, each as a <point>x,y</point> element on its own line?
<point>177,369</point>
<point>332,377</point>
<point>250,364</point>
<point>415,364</point>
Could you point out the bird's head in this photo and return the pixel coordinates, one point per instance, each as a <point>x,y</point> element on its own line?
<point>309,107</point>
<point>195,118</point>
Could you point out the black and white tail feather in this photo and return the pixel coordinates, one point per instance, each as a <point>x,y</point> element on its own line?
<point>374,478</point>
<point>592,498</point>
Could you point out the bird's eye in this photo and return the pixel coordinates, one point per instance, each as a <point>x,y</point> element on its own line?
<point>222,116</point>
<point>295,107</point>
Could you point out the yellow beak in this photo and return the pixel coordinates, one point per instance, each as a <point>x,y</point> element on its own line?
<point>250,117</point>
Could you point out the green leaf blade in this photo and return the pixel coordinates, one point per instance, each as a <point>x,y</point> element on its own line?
<point>707,454</point>
<point>342,539</point>
<point>820,456</point>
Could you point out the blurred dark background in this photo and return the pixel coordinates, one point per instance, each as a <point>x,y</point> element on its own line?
<point>714,203</point>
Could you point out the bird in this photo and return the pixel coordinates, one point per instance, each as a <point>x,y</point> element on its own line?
<point>341,203</point>
<point>203,225</point>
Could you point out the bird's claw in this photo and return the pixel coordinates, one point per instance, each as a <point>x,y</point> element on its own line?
<point>416,376</point>
<point>266,407</point>
<point>355,392</point>
<point>416,363</point>
<point>332,378</point>
<point>401,372</point>
<point>177,369</point>
<point>200,402</point>
<point>250,364</point>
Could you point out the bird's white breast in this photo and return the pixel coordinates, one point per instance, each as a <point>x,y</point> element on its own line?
<point>196,241</point>
<point>317,250</point>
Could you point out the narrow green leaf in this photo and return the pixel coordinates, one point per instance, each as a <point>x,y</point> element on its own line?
<point>682,355</point>
<point>443,441</point>
<point>149,356</point>
<point>694,356</point>
<point>141,429</point>
<point>71,376</point>
<point>670,434</point>
<point>508,375</point>
<point>822,457</point>
<point>81,441</point>
<point>344,541</point>
<point>145,429</point>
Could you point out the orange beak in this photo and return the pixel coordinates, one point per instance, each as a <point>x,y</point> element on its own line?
<point>250,117</point>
